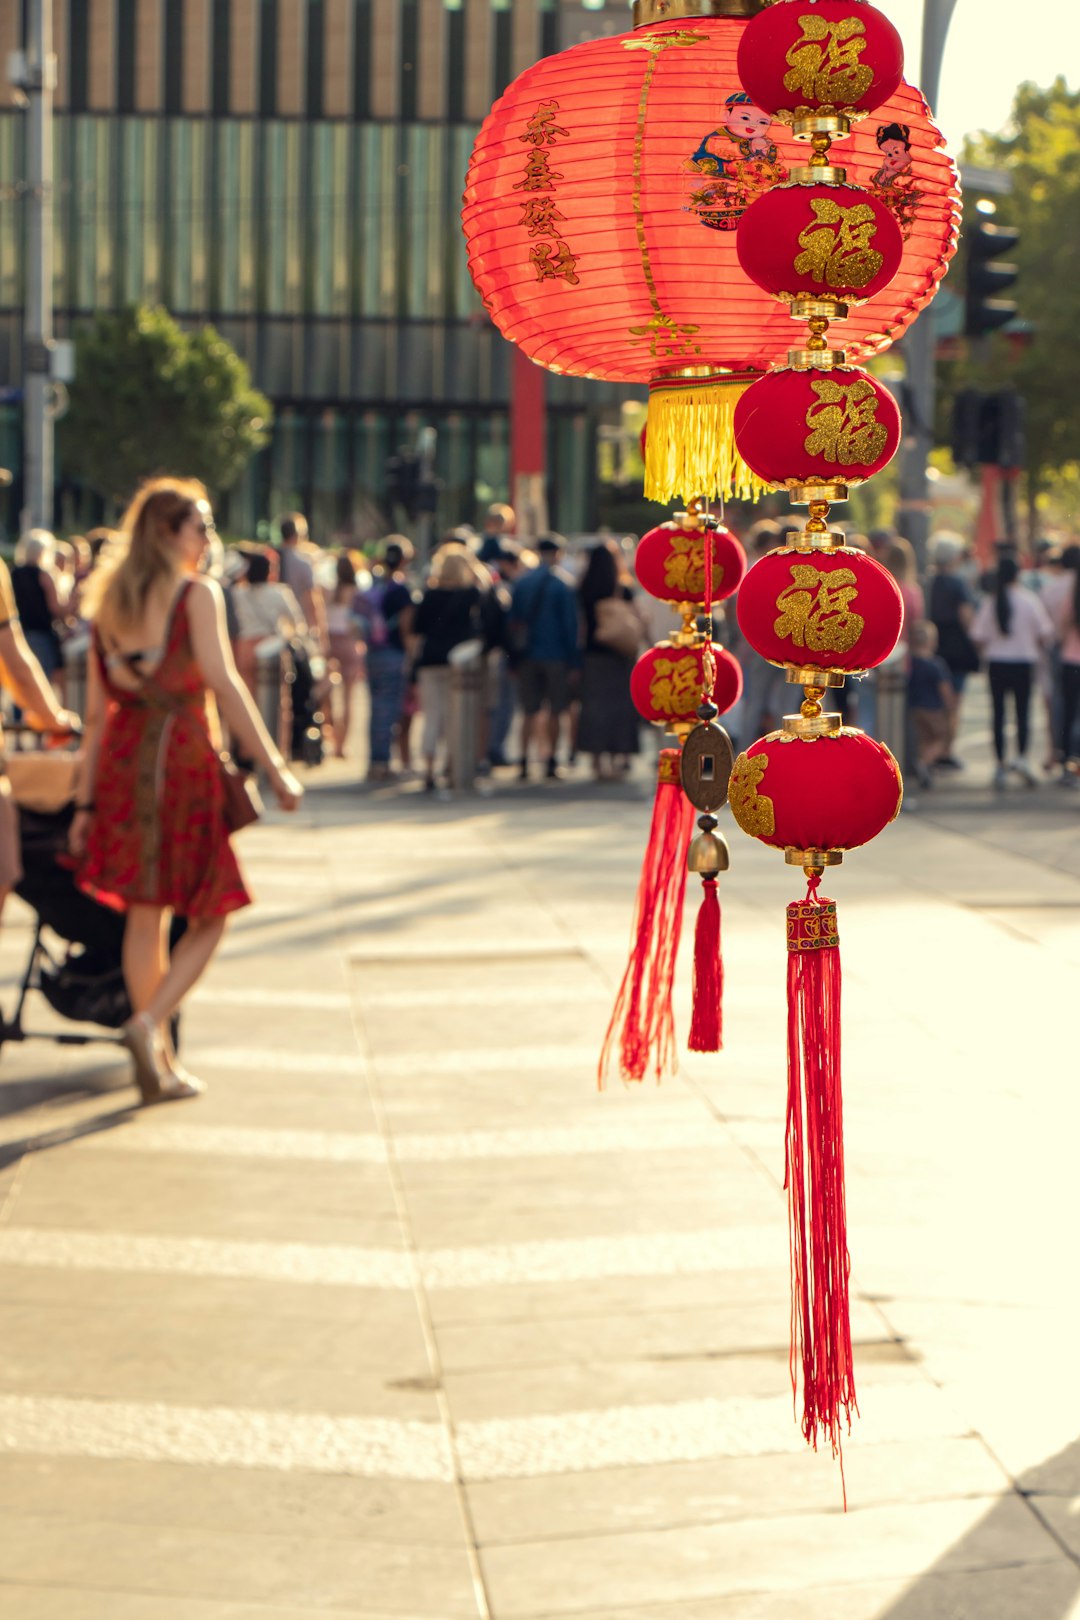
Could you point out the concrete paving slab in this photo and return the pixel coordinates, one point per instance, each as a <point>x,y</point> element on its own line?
<point>670,1336</point>
<point>209,1198</point>
<point>242,1500</point>
<point>300,1570</point>
<point>1024,1592</point>
<point>55,1603</point>
<point>667,1495</point>
<point>789,1554</point>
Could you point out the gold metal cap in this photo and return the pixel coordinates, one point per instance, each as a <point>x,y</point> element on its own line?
<point>813,857</point>
<point>807,675</point>
<point>815,539</point>
<point>816,359</point>
<point>804,308</point>
<point>817,725</point>
<point>803,494</point>
<point>808,121</point>
<point>648,12</point>
<point>824,174</point>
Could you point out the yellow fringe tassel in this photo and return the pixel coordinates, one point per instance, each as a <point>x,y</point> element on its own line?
<point>690,442</point>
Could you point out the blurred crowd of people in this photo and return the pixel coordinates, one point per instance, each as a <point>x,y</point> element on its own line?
<point>555,631</point>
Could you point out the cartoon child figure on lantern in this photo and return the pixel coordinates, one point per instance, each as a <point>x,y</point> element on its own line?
<point>741,160</point>
<point>894,182</point>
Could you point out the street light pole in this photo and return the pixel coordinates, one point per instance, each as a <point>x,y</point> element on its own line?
<point>38,85</point>
<point>917,347</point>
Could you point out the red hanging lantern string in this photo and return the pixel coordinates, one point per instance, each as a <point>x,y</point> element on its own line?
<point>707,1014</point>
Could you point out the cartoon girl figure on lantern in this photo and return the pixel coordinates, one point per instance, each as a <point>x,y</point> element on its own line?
<point>739,161</point>
<point>894,182</point>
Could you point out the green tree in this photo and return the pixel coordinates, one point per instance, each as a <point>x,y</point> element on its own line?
<point>151,398</point>
<point>1040,151</point>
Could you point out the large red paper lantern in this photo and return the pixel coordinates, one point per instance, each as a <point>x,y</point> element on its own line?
<point>829,610</point>
<point>807,431</point>
<point>820,242</point>
<point>599,212</point>
<point>670,563</point>
<point>825,55</point>
<point>668,682</point>
<point>825,793</point>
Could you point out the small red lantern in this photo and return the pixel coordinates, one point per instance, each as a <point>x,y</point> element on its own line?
<point>815,433</point>
<point>819,793</point>
<point>668,682</point>
<point>670,563</point>
<point>836,609</point>
<point>829,56</point>
<point>820,242</point>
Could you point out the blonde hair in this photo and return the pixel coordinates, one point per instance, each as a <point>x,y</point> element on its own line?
<point>453,567</point>
<point>141,559</point>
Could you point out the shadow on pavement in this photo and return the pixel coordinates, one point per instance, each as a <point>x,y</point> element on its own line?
<point>989,1574</point>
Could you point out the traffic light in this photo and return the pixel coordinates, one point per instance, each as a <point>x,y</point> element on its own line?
<point>984,278</point>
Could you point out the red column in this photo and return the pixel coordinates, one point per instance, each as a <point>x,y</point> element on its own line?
<point>528,433</point>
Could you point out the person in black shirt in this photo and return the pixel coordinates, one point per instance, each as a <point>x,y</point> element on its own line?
<point>458,605</point>
<point>40,612</point>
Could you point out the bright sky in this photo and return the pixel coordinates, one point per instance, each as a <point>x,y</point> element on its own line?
<point>991,47</point>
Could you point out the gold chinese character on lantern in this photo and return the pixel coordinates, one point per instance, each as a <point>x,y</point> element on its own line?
<point>824,61</point>
<point>539,216</point>
<point>754,811</point>
<point>539,175</point>
<point>542,130</point>
<point>675,688</point>
<point>553,261</point>
<point>684,565</point>
<point>815,610</point>
<point>836,246</point>
<point>843,424</point>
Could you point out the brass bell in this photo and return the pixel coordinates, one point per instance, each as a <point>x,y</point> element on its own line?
<point>708,854</point>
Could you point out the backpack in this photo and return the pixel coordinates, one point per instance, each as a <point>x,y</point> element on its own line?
<point>368,611</point>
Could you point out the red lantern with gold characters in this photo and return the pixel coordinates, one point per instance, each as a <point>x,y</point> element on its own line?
<point>819,793</point>
<point>826,56</point>
<point>668,681</point>
<point>681,684</point>
<point>670,563</point>
<point>814,241</point>
<point>817,610</point>
<point>822,431</point>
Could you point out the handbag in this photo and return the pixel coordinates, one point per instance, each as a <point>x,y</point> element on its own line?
<point>618,626</point>
<point>240,795</point>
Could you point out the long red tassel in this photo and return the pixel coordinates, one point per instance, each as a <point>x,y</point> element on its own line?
<point>642,1028</point>
<point>820,1263</point>
<point>707,1021</point>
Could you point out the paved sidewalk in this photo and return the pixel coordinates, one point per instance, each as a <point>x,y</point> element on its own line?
<point>405,1320</point>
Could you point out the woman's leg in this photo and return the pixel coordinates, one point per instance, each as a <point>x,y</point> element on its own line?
<point>1021,685</point>
<point>1070,705</point>
<point>188,963</point>
<point>145,956</point>
<point>998,677</point>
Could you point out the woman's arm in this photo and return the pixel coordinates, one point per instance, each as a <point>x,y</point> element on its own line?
<point>25,680</point>
<point>86,770</point>
<point>52,600</point>
<point>210,644</point>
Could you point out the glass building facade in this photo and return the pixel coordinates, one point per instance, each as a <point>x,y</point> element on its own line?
<point>290,170</point>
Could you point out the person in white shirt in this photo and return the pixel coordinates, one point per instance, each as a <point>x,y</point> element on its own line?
<point>1011,629</point>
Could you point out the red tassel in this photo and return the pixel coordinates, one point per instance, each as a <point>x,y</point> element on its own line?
<point>707,1022</point>
<point>642,1028</point>
<point>820,1264</point>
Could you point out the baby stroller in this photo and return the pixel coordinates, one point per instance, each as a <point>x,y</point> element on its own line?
<point>81,979</point>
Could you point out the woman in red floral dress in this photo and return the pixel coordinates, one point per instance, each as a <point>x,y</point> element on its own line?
<point>150,823</point>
